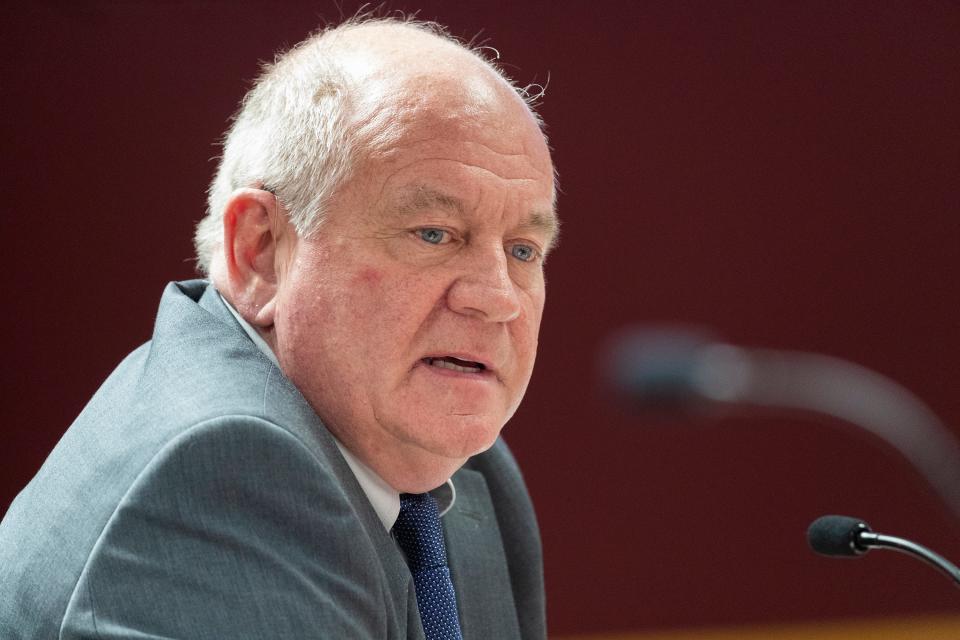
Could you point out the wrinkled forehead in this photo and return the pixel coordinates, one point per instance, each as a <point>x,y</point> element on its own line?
<point>470,118</point>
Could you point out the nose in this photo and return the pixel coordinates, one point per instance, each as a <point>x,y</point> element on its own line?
<point>484,289</point>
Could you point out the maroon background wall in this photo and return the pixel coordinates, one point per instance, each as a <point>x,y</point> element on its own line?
<point>785,173</point>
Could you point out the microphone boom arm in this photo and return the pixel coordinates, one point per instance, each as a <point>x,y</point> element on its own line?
<point>868,539</point>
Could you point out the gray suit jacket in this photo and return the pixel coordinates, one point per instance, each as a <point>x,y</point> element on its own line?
<point>199,496</point>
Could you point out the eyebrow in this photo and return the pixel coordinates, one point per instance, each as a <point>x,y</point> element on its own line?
<point>547,223</point>
<point>420,197</point>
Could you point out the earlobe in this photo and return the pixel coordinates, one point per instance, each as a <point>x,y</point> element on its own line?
<point>252,234</point>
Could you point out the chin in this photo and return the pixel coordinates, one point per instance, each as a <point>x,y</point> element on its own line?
<point>462,436</point>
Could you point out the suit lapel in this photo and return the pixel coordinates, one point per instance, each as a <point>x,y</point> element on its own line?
<point>400,594</point>
<point>399,583</point>
<point>477,562</point>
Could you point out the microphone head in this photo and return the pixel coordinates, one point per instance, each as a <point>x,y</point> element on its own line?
<point>673,369</point>
<point>837,536</point>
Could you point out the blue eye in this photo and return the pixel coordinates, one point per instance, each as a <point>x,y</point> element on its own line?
<point>431,235</point>
<point>523,252</point>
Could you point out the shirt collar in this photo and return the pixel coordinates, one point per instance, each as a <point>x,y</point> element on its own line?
<point>384,498</point>
<point>251,332</point>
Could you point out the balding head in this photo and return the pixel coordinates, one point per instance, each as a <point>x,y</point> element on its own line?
<point>341,96</point>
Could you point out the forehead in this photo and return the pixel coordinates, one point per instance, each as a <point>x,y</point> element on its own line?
<point>466,180</point>
<point>461,101</point>
<point>408,82</point>
<point>447,135</point>
<point>501,139</point>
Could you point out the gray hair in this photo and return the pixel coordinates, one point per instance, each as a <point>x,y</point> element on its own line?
<point>290,135</point>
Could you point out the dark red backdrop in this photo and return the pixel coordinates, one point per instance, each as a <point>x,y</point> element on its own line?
<point>785,173</point>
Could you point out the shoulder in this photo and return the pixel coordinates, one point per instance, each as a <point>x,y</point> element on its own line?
<point>234,525</point>
<point>230,456</point>
<point>246,480</point>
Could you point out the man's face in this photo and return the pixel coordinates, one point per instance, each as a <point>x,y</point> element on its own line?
<point>409,320</point>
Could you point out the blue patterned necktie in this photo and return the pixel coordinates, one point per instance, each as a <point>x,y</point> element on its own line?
<point>419,534</point>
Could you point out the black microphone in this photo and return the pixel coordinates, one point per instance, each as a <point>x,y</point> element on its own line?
<point>678,368</point>
<point>850,537</point>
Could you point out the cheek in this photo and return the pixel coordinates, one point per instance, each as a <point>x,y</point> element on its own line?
<point>368,278</point>
<point>370,298</point>
<point>534,305</point>
<point>527,333</point>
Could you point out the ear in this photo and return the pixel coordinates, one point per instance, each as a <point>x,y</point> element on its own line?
<point>255,236</point>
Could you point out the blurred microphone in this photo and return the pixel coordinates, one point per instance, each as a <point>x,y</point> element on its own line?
<point>849,537</point>
<point>677,369</point>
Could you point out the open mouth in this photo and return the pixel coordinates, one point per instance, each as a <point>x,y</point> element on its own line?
<point>455,364</point>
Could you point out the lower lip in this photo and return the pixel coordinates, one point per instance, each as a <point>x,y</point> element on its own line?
<point>484,375</point>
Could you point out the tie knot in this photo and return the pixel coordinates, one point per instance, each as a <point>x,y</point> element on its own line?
<point>418,531</point>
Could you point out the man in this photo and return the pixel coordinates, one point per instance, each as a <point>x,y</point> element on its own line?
<point>375,244</point>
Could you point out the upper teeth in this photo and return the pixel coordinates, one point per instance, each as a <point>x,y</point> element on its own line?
<point>446,364</point>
